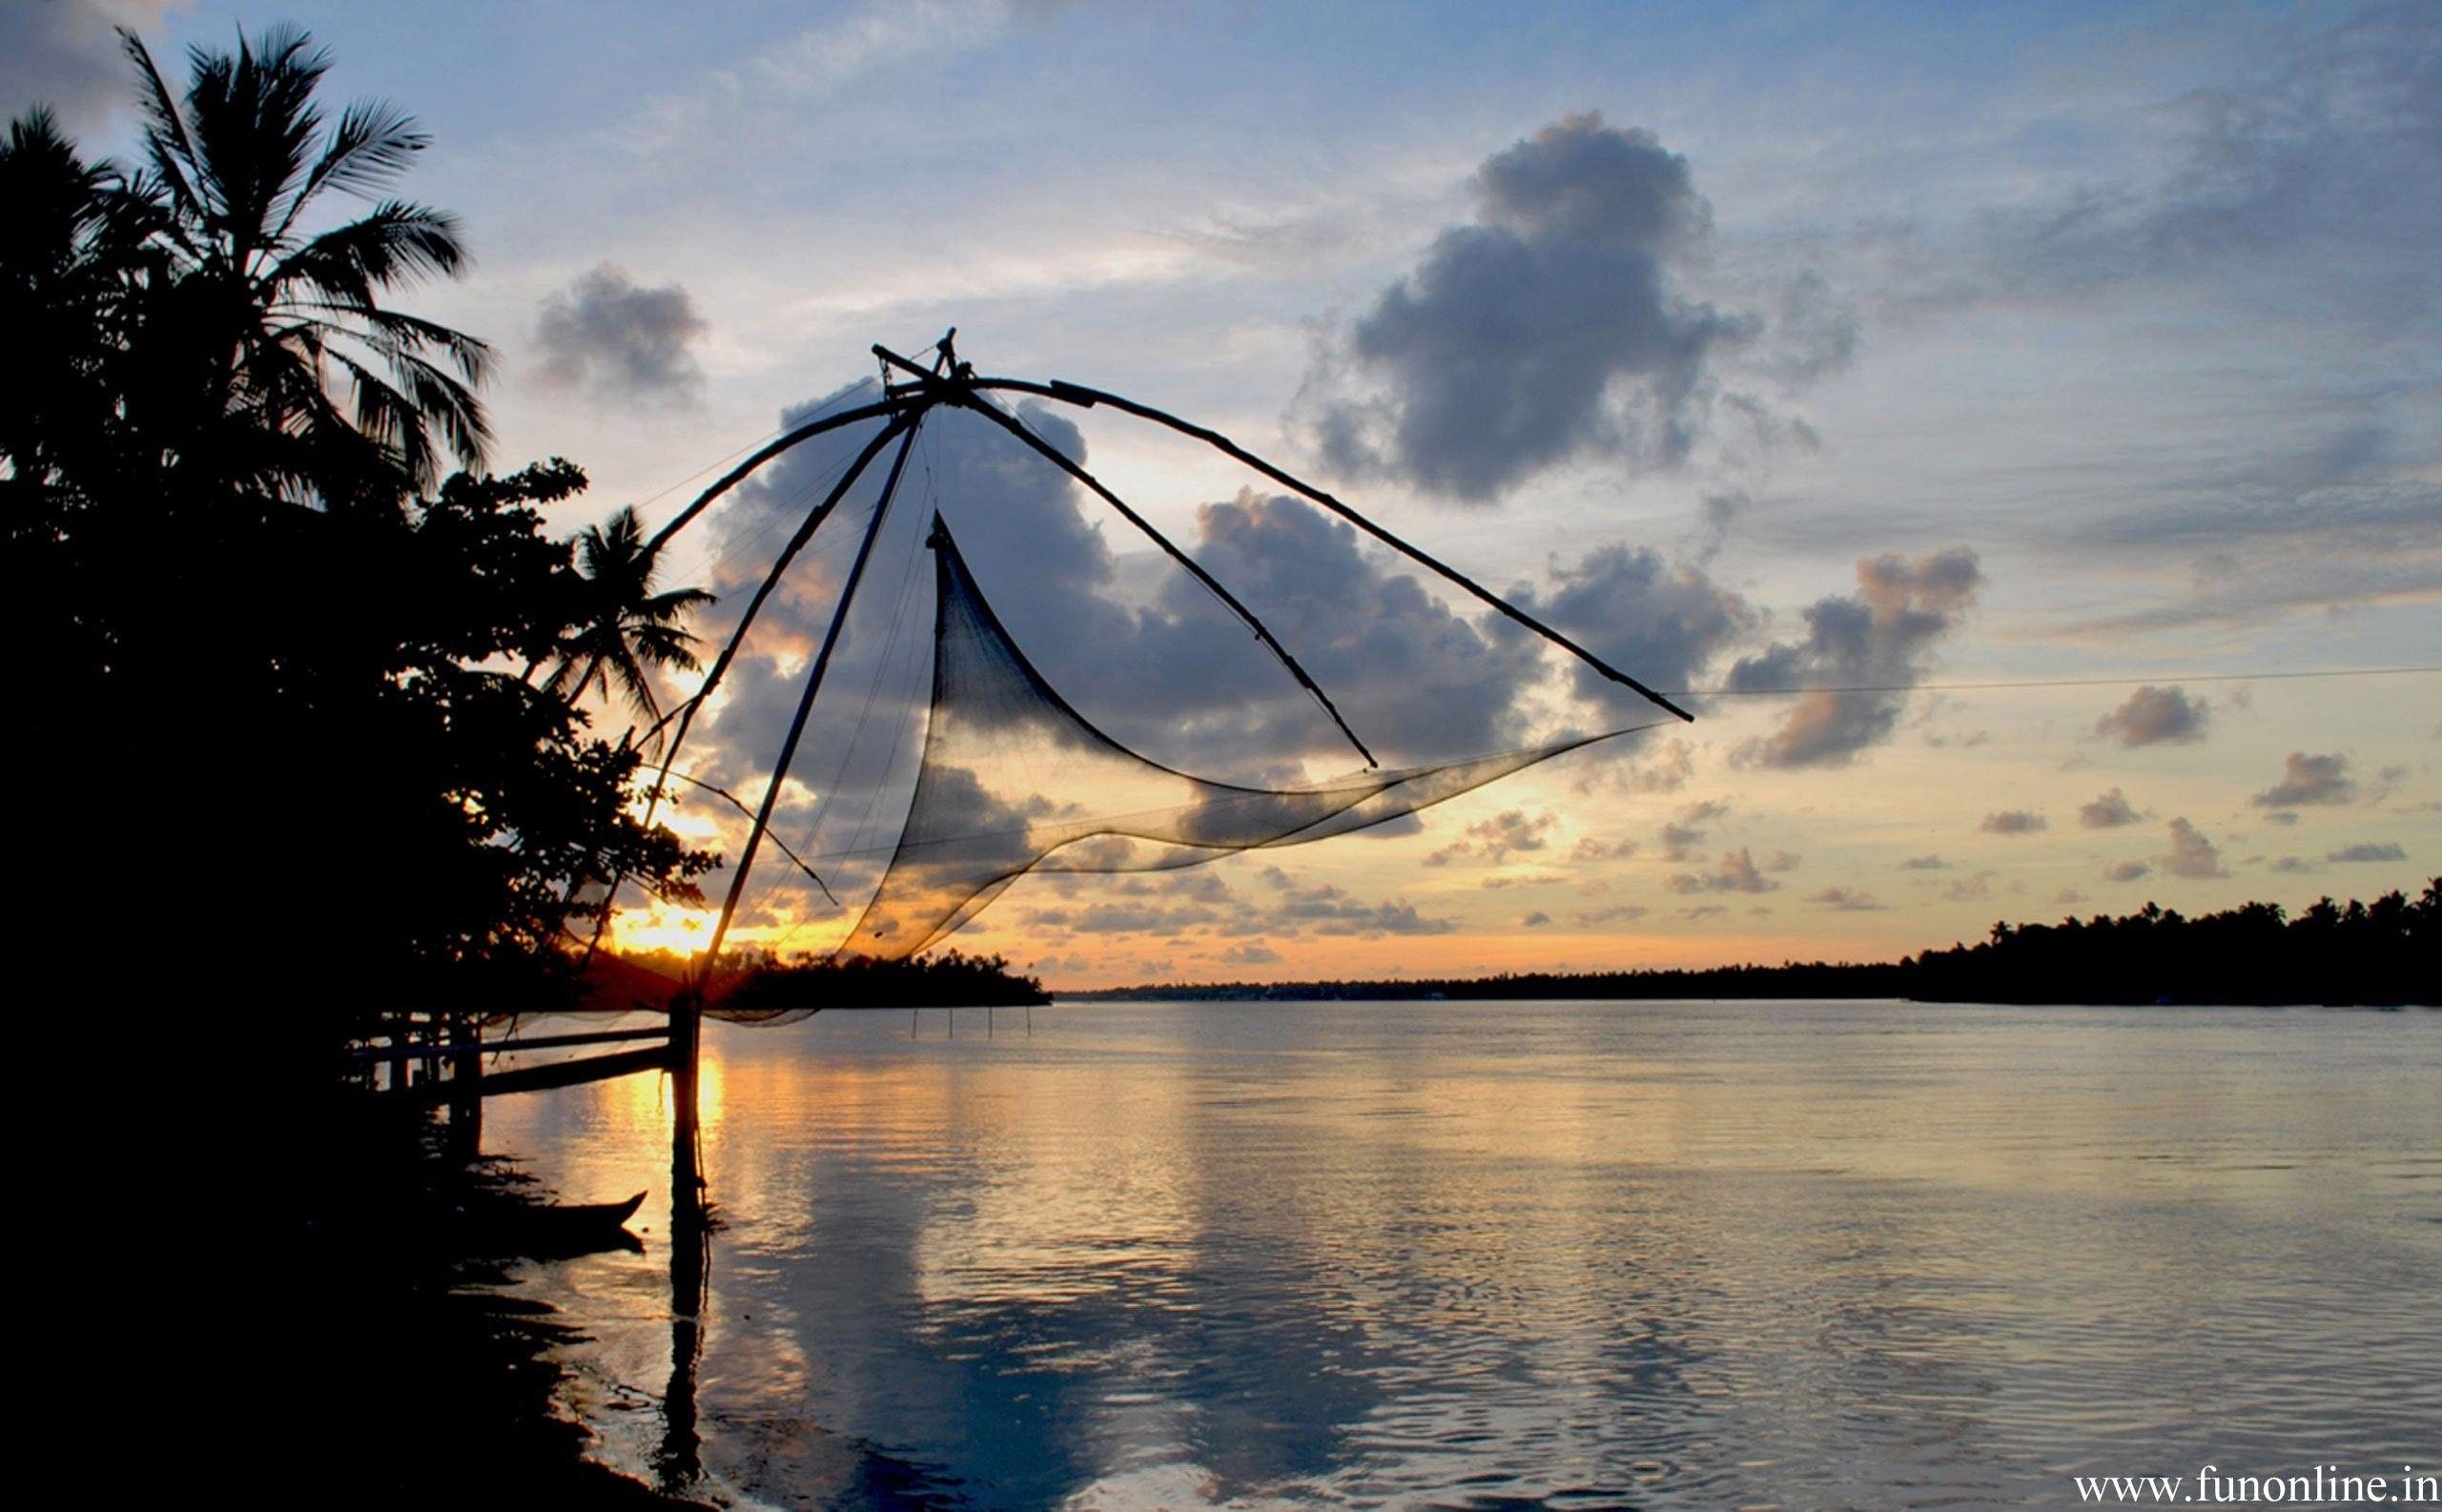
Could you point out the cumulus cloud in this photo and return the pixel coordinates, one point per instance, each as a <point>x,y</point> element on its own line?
<point>2307,779</point>
<point>2111,810</point>
<point>1536,920</point>
<point>2013,822</point>
<point>1682,835</point>
<point>614,340</point>
<point>2369,851</point>
<point>1553,327</point>
<point>1883,636</point>
<point>1660,623</point>
<point>2154,716</point>
<point>1925,863</point>
<point>1498,838</point>
<point>2191,854</point>
<point>2126,871</point>
<point>1844,900</point>
<point>1735,872</point>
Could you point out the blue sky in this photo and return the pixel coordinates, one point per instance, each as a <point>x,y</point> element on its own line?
<point>2131,305</point>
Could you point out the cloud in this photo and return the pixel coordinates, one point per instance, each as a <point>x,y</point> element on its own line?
<point>1682,835</point>
<point>2308,779</point>
<point>2067,896</point>
<point>1498,838</point>
<point>2321,162</point>
<point>63,53</point>
<point>2369,851</point>
<point>1248,952</point>
<point>2111,810</point>
<point>1661,625</point>
<point>1735,873</point>
<point>2292,864</point>
<point>1327,910</point>
<point>1550,329</point>
<point>1536,920</point>
<point>2154,716</point>
<point>1618,913</point>
<point>1883,636</point>
<point>1971,888</point>
<point>617,341</point>
<point>1844,900</point>
<point>2013,822</point>
<point>1925,863</point>
<point>1590,848</point>
<point>2126,871</point>
<point>2191,854</point>
<point>1784,861</point>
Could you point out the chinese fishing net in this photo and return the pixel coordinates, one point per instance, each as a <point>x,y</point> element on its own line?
<point>1013,779</point>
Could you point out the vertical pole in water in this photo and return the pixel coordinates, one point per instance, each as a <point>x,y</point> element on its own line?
<point>465,1072</point>
<point>679,1460</point>
<point>689,1239</point>
<point>686,1179</point>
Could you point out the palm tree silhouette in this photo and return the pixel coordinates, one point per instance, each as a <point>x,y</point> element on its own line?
<point>622,627</point>
<point>274,317</point>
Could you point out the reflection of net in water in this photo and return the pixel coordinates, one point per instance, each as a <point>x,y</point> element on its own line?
<point>1013,779</point>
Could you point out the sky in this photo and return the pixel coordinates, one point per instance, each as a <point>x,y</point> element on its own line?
<point>1757,346</point>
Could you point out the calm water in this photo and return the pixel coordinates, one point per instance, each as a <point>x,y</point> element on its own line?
<point>1497,1254</point>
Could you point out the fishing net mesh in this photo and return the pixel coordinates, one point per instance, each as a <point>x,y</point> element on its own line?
<point>1013,779</point>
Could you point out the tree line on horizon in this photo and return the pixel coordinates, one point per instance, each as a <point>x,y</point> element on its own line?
<point>2385,952</point>
<point>311,689</point>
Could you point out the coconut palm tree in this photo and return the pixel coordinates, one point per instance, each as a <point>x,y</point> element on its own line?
<point>623,629</point>
<point>298,373</point>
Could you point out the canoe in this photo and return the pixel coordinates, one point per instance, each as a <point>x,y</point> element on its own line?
<point>542,1229</point>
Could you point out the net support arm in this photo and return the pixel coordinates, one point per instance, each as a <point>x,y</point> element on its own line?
<point>805,706</point>
<point>1088,397</point>
<point>887,405</point>
<point>1271,643</point>
<point>685,712</point>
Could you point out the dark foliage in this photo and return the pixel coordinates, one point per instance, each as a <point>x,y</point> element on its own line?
<point>279,703</point>
<point>2388,952</point>
<point>951,979</point>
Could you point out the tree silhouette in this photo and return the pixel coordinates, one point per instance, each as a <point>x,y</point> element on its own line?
<point>623,629</point>
<point>268,715</point>
<point>265,314</point>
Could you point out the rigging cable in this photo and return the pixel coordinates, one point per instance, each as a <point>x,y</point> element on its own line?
<point>2053,682</point>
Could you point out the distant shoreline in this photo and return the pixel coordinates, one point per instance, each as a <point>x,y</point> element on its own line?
<point>2354,955</point>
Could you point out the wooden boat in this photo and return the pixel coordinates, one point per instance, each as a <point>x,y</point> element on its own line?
<point>552,1230</point>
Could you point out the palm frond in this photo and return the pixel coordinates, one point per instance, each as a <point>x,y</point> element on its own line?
<point>167,146</point>
<point>372,144</point>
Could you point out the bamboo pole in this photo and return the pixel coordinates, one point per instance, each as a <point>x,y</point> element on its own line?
<point>1084,398</point>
